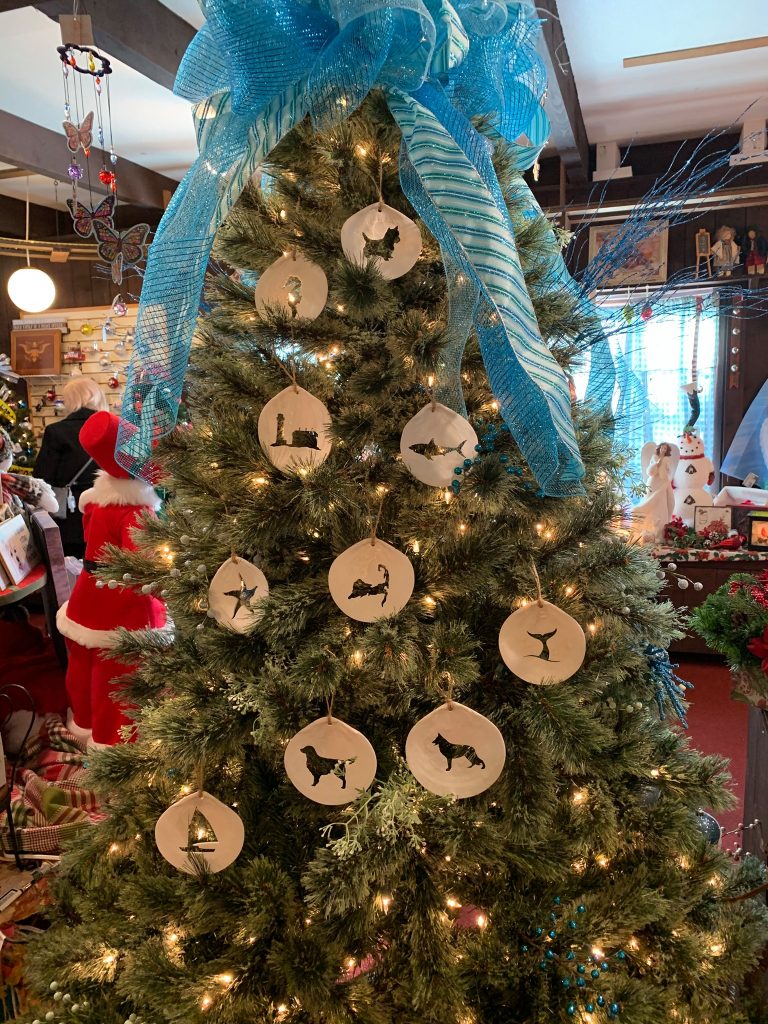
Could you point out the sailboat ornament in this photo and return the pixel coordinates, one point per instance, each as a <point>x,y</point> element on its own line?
<point>87,128</point>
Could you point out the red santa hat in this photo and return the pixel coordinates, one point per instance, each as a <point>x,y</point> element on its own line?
<point>98,436</point>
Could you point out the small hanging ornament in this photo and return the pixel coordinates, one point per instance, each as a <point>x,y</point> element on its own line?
<point>294,283</point>
<point>628,313</point>
<point>107,177</point>
<point>75,171</point>
<point>541,643</point>
<point>86,328</point>
<point>371,580</point>
<point>646,312</point>
<point>113,382</point>
<point>709,827</point>
<point>119,308</point>
<point>50,394</point>
<point>293,430</point>
<point>455,751</point>
<point>434,441</point>
<point>383,235</point>
<point>235,592</point>
<point>330,762</point>
<point>199,828</point>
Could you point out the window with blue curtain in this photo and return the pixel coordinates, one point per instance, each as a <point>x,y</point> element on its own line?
<point>654,361</point>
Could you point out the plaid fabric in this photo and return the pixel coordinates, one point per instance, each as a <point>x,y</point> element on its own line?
<point>26,488</point>
<point>50,799</point>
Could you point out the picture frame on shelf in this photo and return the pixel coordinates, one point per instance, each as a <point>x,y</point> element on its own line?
<point>18,553</point>
<point>36,353</point>
<point>757,538</point>
<point>705,515</point>
<point>646,262</point>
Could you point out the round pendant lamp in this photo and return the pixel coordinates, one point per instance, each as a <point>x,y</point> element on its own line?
<point>32,290</point>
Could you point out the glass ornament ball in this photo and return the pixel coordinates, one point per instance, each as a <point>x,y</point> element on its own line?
<point>32,290</point>
<point>709,827</point>
<point>698,586</point>
<point>682,584</point>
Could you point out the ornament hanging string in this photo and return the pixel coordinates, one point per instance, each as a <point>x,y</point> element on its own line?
<point>329,709</point>
<point>539,598</point>
<point>323,59</point>
<point>377,520</point>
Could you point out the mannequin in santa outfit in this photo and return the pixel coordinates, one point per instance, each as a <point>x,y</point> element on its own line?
<point>91,617</point>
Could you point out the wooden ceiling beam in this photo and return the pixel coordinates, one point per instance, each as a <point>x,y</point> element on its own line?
<point>41,151</point>
<point>144,34</point>
<point>568,135</point>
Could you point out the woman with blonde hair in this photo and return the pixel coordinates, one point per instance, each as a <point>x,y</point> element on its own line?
<point>63,462</point>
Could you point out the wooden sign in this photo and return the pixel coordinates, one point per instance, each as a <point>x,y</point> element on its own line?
<point>36,353</point>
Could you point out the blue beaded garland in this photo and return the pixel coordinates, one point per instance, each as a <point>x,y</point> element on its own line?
<point>552,915</point>
<point>539,493</point>
<point>581,909</point>
<point>595,974</point>
<point>572,924</point>
<point>601,1000</point>
<point>581,982</point>
<point>570,1009</point>
<point>565,982</point>
<point>478,447</point>
<point>550,954</point>
<point>570,955</point>
<point>556,900</point>
<point>510,471</point>
<point>552,934</point>
<point>621,955</point>
<point>614,1008</point>
<point>581,969</point>
<point>455,486</point>
<point>543,964</point>
<point>467,463</point>
<point>458,471</point>
<point>604,966</point>
<point>503,458</point>
<point>523,948</point>
<point>538,931</point>
<point>590,1007</point>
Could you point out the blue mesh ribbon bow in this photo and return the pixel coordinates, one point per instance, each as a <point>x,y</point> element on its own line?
<point>254,71</point>
<point>669,686</point>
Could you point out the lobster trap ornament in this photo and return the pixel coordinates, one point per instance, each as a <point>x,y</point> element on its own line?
<point>294,283</point>
<point>199,831</point>
<point>542,644</point>
<point>235,592</point>
<point>386,237</point>
<point>293,429</point>
<point>371,580</point>
<point>433,441</point>
<point>330,762</point>
<point>455,751</point>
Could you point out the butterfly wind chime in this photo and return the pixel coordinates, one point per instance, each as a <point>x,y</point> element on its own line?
<point>122,250</point>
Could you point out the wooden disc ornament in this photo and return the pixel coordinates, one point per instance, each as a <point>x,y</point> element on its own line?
<point>235,592</point>
<point>383,235</point>
<point>294,283</point>
<point>293,429</point>
<point>371,580</point>
<point>455,750</point>
<point>330,762</point>
<point>434,442</point>
<point>199,826</point>
<point>541,643</point>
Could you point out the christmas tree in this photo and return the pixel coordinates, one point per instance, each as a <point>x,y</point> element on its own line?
<point>501,828</point>
<point>14,418</point>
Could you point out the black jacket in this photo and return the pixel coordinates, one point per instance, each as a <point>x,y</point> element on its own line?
<point>59,459</point>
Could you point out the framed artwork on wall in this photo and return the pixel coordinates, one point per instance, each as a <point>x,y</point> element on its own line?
<point>646,263</point>
<point>36,353</point>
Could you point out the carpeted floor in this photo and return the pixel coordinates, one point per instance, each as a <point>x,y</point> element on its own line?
<point>718,725</point>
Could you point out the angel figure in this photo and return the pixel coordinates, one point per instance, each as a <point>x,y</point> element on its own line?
<point>725,251</point>
<point>649,518</point>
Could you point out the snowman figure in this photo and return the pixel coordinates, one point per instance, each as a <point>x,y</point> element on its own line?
<point>694,472</point>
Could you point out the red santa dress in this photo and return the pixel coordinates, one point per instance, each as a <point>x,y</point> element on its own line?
<point>91,617</point>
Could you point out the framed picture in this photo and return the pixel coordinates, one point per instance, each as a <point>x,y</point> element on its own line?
<point>758,531</point>
<point>704,516</point>
<point>18,553</point>
<point>646,262</point>
<point>36,353</point>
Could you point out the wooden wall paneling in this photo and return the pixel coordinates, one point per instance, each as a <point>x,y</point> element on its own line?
<point>94,349</point>
<point>756,784</point>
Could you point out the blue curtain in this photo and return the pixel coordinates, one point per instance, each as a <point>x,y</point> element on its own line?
<point>654,360</point>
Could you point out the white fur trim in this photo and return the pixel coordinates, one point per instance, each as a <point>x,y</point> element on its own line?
<point>103,639</point>
<point>77,730</point>
<point>113,490</point>
<point>83,635</point>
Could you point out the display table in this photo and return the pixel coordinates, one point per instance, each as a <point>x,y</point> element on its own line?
<point>711,568</point>
<point>32,582</point>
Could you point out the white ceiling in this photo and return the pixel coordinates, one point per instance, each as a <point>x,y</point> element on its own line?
<point>663,101</point>
<point>684,98</point>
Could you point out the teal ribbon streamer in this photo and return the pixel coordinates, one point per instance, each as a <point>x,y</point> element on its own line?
<point>255,69</point>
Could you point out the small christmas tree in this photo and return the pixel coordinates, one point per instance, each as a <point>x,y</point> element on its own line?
<point>14,417</point>
<point>578,884</point>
